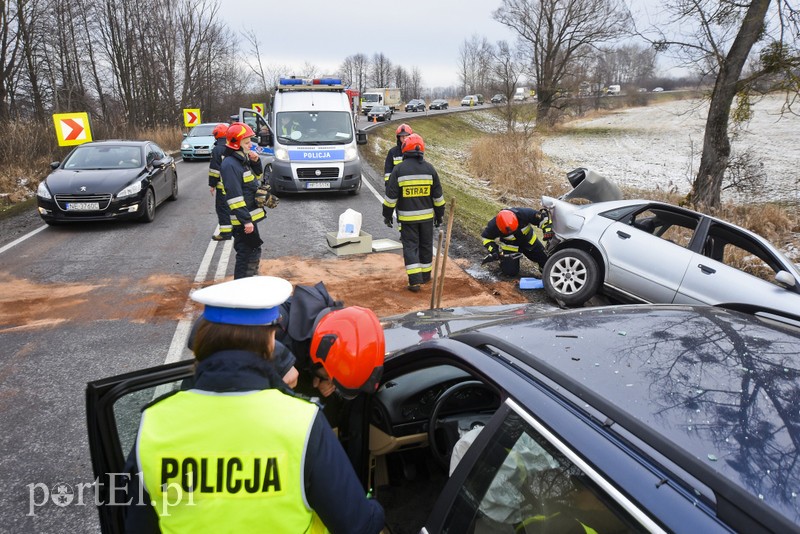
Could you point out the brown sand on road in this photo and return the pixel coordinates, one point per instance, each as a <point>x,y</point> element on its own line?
<point>376,281</point>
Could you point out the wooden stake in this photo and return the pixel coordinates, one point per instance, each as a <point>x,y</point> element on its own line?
<point>450,221</point>
<point>436,268</point>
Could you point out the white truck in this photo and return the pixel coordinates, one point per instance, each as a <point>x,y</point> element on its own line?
<point>381,96</point>
<point>521,94</point>
<point>311,130</point>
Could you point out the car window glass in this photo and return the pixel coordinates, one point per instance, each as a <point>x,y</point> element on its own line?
<point>128,412</point>
<point>678,228</point>
<point>151,156</point>
<point>737,250</point>
<point>522,484</point>
<point>158,152</point>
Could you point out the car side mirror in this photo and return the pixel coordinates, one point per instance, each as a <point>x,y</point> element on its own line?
<point>785,278</point>
<point>159,162</point>
<point>361,137</point>
<point>54,165</point>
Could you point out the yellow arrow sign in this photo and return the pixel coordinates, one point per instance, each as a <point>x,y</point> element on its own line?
<point>260,107</point>
<point>191,117</point>
<point>72,128</point>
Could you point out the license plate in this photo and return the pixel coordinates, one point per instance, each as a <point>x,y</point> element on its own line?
<point>318,185</point>
<point>83,206</point>
<point>202,152</point>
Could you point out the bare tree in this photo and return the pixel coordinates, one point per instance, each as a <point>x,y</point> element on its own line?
<point>717,38</point>
<point>507,68</point>
<point>557,32</point>
<point>380,70</point>
<point>474,64</point>
<point>9,52</point>
<point>353,71</point>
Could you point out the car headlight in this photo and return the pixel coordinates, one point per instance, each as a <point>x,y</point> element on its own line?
<point>43,192</point>
<point>350,153</point>
<point>281,154</point>
<point>186,146</point>
<point>130,190</point>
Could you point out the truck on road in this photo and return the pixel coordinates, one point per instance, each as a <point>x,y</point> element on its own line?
<point>381,96</point>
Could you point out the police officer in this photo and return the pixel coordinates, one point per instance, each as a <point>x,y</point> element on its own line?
<point>237,454</point>
<point>240,171</point>
<point>415,191</point>
<point>515,230</point>
<point>214,182</point>
<point>395,155</point>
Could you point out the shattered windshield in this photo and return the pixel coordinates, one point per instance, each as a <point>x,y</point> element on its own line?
<point>314,128</point>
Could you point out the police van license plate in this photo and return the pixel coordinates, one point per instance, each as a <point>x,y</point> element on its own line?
<point>318,185</point>
<point>83,206</point>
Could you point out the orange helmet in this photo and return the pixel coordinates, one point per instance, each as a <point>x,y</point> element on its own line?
<point>413,142</point>
<point>220,130</point>
<point>404,129</point>
<point>507,222</point>
<point>236,132</point>
<point>349,344</point>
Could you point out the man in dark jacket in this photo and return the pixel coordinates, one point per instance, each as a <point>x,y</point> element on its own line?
<point>395,155</point>
<point>214,182</point>
<point>415,192</point>
<point>241,170</point>
<point>515,230</point>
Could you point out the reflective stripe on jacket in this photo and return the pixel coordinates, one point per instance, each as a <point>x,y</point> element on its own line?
<point>240,178</point>
<point>393,159</point>
<point>214,164</point>
<point>414,190</point>
<point>246,478</point>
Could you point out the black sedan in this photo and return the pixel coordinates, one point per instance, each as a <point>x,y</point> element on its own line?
<point>647,418</point>
<point>379,113</point>
<point>108,180</point>
<point>415,105</point>
<point>439,103</point>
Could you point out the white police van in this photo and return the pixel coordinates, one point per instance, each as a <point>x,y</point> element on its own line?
<point>313,136</point>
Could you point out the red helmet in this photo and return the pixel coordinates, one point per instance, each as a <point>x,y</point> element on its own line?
<point>236,132</point>
<point>404,129</point>
<point>349,344</point>
<point>413,142</point>
<point>507,222</point>
<point>220,130</point>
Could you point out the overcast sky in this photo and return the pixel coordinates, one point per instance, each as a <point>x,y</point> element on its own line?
<point>423,34</point>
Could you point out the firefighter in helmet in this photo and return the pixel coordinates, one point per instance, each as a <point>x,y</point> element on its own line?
<point>415,192</point>
<point>395,155</point>
<point>513,230</point>
<point>241,171</point>
<point>215,184</point>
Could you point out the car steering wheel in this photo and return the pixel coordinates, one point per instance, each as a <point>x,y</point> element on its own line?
<point>450,427</point>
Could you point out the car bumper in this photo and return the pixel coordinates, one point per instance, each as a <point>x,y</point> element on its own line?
<point>196,153</point>
<point>117,209</point>
<point>287,177</point>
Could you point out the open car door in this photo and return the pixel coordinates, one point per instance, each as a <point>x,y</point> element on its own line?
<point>113,411</point>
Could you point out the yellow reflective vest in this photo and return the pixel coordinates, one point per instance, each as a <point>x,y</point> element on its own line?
<point>227,462</point>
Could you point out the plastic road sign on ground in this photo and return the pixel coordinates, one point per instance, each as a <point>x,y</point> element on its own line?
<point>191,117</point>
<point>72,128</point>
<point>260,108</point>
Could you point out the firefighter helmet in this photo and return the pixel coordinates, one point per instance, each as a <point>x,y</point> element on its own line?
<point>236,132</point>
<point>413,142</point>
<point>403,129</point>
<point>507,222</point>
<point>220,130</point>
<point>348,343</point>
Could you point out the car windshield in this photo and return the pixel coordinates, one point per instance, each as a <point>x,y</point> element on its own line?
<point>316,128</point>
<point>92,157</point>
<point>202,130</point>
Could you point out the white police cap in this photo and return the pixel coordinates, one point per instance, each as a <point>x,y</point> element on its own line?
<point>246,301</point>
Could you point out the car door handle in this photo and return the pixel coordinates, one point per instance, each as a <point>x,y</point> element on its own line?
<point>623,235</point>
<point>706,270</point>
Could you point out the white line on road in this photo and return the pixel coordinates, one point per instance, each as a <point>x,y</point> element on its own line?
<point>374,191</point>
<point>23,238</point>
<point>222,268</point>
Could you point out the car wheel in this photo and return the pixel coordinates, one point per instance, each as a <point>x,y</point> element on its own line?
<point>357,189</point>
<point>174,195</point>
<point>148,207</point>
<point>571,277</point>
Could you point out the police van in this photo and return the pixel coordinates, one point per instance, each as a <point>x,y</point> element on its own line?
<point>311,129</point>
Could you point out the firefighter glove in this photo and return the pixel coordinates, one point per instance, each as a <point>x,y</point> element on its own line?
<point>272,201</point>
<point>437,222</point>
<point>492,247</point>
<point>387,221</point>
<point>547,229</point>
<point>262,194</point>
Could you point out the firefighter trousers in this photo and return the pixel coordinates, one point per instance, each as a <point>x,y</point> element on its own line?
<point>248,252</point>
<point>417,239</point>
<point>223,212</point>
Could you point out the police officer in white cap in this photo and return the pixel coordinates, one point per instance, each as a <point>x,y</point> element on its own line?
<point>236,453</point>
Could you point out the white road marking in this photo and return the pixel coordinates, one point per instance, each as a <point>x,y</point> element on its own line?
<point>23,238</point>
<point>223,261</point>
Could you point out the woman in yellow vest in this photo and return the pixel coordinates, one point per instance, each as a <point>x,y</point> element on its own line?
<point>239,453</point>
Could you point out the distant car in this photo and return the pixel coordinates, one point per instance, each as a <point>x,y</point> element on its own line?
<point>514,419</point>
<point>439,103</point>
<point>653,252</point>
<point>471,100</point>
<point>197,144</point>
<point>499,99</point>
<point>658,90</point>
<point>381,113</point>
<point>415,105</point>
<point>108,180</point>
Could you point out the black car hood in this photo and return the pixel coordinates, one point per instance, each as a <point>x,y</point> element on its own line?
<point>65,182</point>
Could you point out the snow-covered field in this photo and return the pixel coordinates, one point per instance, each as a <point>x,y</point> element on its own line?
<point>660,145</point>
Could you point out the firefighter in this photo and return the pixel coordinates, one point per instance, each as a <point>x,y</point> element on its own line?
<point>217,189</point>
<point>515,230</point>
<point>415,192</point>
<point>240,171</point>
<point>395,155</point>
<point>236,453</point>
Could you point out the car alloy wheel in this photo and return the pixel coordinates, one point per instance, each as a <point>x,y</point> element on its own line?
<point>148,206</point>
<point>571,277</point>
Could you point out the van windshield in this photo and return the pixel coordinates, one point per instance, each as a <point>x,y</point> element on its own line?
<point>314,128</point>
